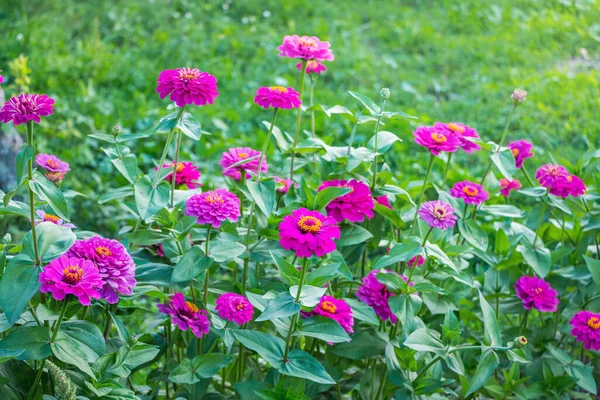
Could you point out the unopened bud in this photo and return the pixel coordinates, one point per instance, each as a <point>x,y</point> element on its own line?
<point>519,96</point>
<point>519,342</point>
<point>6,239</point>
<point>116,130</point>
<point>133,340</point>
<point>385,93</point>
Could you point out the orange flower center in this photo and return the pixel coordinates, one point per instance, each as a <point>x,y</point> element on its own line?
<point>239,306</point>
<point>180,167</point>
<point>72,275</point>
<point>279,89</point>
<point>53,164</point>
<point>456,128</point>
<point>329,307</point>
<point>537,290</point>
<point>189,73</point>
<point>309,224</point>
<point>553,171</point>
<point>103,251</point>
<point>515,152</point>
<point>311,64</point>
<point>214,198</point>
<point>439,212</point>
<point>470,191</point>
<point>439,137</point>
<point>192,307</point>
<point>51,218</point>
<point>243,155</point>
<point>569,178</point>
<point>594,323</point>
<point>307,42</point>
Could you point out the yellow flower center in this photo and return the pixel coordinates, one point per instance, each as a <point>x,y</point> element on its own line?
<point>309,224</point>
<point>51,218</point>
<point>189,73</point>
<point>329,307</point>
<point>214,198</point>
<point>279,89</point>
<point>456,128</point>
<point>470,191</point>
<point>53,164</point>
<point>307,42</point>
<point>180,167</point>
<point>439,137</point>
<point>594,323</point>
<point>569,178</point>
<point>537,290</point>
<point>192,307</point>
<point>239,306</point>
<point>439,212</point>
<point>312,64</point>
<point>103,251</point>
<point>515,152</point>
<point>243,156</point>
<point>72,275</point>
<point>553,171</point>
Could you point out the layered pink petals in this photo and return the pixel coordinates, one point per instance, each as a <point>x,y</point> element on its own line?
<point>187,174</point>
<point>305,47</point>
<point>187,86</point>
<point>213,207</point>
<point>71,275</point>
<point>470,192</point>
<point>26,107</point>
<point>463,133</point>
<point>537,293</point>
<point>234,308</point>
<point>506,186</point>
<point>186,315</point>
<point>586,329</point>
<point>353,206</point>
<point>521,150</point>
<point>438,214</point>
<point>308,233</point>
<point>337,310</point>
<point>277,97</point>
<point>437,138</point>
<point>312,67</point>
<point>239,154</point>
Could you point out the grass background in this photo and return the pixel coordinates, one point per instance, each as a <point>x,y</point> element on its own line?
<point>443,61</point>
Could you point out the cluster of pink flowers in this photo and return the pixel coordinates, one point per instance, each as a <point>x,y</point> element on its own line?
<point>559,182</point>
<point>71,276</point>
<point>308,233</point>
<point>438,214</point>
<point>187,174</point>
<point>353,206</point>
<point>446,137</point>
<point>463,133</point>
<point>234,307</point>
<point>56,169</point>
<point>305,47</point>
<point>283,185</point>
<point>186,315</point>
<point>213,207</point>
<point>470,192</point>
<point>187,86</point>
<point>232,162</point>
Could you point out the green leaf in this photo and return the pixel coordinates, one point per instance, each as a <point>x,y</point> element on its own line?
<point>33,341</point>
<point>328,194</point>
<point>385,140</point>
<point>537,191</point>
<point>364,344</point>
<point>49,193</point>
<point>148,199</point>
<point>485,368</point>
<point>538,258</point>
<point>127,166</point>
<point>288,272</point>
<point>433,250</point>
<point>490,322</point>
<point>325,273</point>
<point>222,250</point>
<point>147,237</point>
<point>584,375</point>
<point>88,337</point>
<point>502,244</point>
<point>423,339</point>
<point>190,265</point>
<point>593,266</point>
<point>270,348</point>
<point>263,194</point>
<point>323,328</point>
<point>18,285</point>
<point>70,352</point>
<point>362,312</point>
<point>53,241</point>
<point>402,252</point>
<point>310,295</point>
<point>124,334</point>
<point>166,123</point>
<point>190,126</point>
<point>505,163</point>
<point>281,306</point>
<point>352,234</point>
<point>405,307</point>
<point>369,104</point>
<point>473,233</point>
<point>201,367</point>
<point>502,210</point>
<point>6,355</point>
<point>302,365</point>
<point>23,156</point>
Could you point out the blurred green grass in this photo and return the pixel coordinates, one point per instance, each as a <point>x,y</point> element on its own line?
<point>443,61</point>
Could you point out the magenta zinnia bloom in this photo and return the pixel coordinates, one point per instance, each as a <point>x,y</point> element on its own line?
<point>1,79</point>
<point>375,294</point>
<point>234,308</point>
<point>337,310</point>
<point>187,86</point>
<point>353,206</point>
<point>187,174</point>
<point>438,214</point>
<point>305,47</point>
<point>521,150</point>
<point>569,185</point>
<point>470,192</point>
<point>51,163</point>
<point>550,173</point>
<point>462,132</point>
<point>414,263</point>
<point>186,315</point>
<point>308,233</point>
<point>506,186</point>
<point>238,154</point>
<point>213,207</point>
<point>586,329</point>
<point>437,138</point>
<point>312,67</point>
<point>277,97</point>
<point>537,293</point>
<point>384,201</point>
<point>26,107</point>
<point>283,185</point>
<point>71,275</point>
<point>114,263</point>
<point>45,217</point>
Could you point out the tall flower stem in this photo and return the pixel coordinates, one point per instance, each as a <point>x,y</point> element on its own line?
<point>263,154</point>
<point>167,145</point>
<point>38,260</point>
<point>298,119</point>
<point>595,235</point>
<point>537,231</point>
<point>288,341</point>
<point>207,275</point>
<point>313,82</point>
<point>420,200</point>
<point>423,243</point>
<point>447,169</point>
<point>508,119</point>
<point>353,133</point>
<point>175,165</point>
<point>375,133</point>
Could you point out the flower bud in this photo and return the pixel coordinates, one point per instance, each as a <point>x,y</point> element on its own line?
<point>6,239</point>
<point>116,130</point>
<point>519,96</point>
<point>133,340</point>
<point>519,342</point>
<point>385,93</point>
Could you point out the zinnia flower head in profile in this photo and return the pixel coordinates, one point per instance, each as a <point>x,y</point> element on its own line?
<point>437,138</point>
<point>506,186</point>
<point>305,47</point>
<point>586,329</point>
<point>56,169</point>
<point>1,79</point>
<point>353,206</point>
<point>187,174</point>
<point>375,294</point>
<point>312,67</point>
<point>71,275</point>
<point>463,132</point>
<point>414,263</point>
<point>186,315</point>
<point>26,107</point>
<point>234,308</point>
<point>187,86</point>
<point>115,265</point>
<point>56,220</point>
<point>239,154</point>
<point>537,293</point>
<point>337,310</point>
<point>570,185</point>
<point>283,185</point>
<point>550,173</point>
<point>384,201</point>
<point>470,192</point>
<point>277,97</point>
<point>308,233</point>
<point>519,96</point>
<point>438,214</point>
<point>521,150</point>
<point>213,207</point>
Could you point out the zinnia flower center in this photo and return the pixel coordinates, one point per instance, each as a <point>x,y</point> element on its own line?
<point>309,224</point>
<point>307,42</point>
<point>53,163</point>
<point>189,74</point>
<point>243,156</point>
<point>311,64</point>
<point>239,306</point>
<point>515,152</point>
<point>438,137</point>
<point>439,213</point>
<point>569,178</point>
<point>594,323</point>
<point>279,89</point>
<point>553,171</point>
<point>103,251</point>
<point>536,291</point>
<point>72,275</point>
<point>470,191</point>
<point>180,167</point>
<point>329,307</point>
<point>456,128</point>
<point>192,307</point>
<point>214,198</point>
<point>51,218</point>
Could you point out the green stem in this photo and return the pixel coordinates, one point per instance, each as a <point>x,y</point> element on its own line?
<point>166,148</point>
<point>295,317</point>
<point>376,145</point>
<point>537,231</point>
<point>353,133</point>
<point>595,235</point>
<point>431,158</point>
<point>382,384</point>
<point>207,275</point>
<point>175,164</point>
<point>412,270</point>
<point>524,322</point>
<point>510,115</point>
<point>591,299</point>
<point>312,111</point>
<point>298,120</point>
<point>266,145</point>
<point>38,260</point>
<point>446,169</point>
<point>210,350</point>
<point>426,367</point>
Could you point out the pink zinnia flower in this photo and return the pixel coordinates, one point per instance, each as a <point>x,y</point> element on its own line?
<point>26,107</point>
<point>375,294</point>
<point>312,67</point>
<point>277,97</point>
<point>115,265</point>
<point>51,163</point>
<point>521,150</point>
<point>238,154</point>
<point>353,206</point>
<point>71,275</point>
<point>462,132</point>
<point>187,86</point>
<point>186,315</point>
<point>45,217</point>
<point>519,96</point>
<point>384,201</point>
<point>550,173</point>
<point>470,192</point>
<point>308,233</point>
<point>437,138</point>
<point>586,329</point>
<point>337,310</point>
<point>438,214</point>
<point>569,185</point>
<point>234,308</point>
<point>1,79</point>
<point>414,263</point>
<point>506,186</point>
<point>537,293</point>
<point>187,174</point>
<point>213,207</point>
<point>305,47</point>
<point>283,185</point>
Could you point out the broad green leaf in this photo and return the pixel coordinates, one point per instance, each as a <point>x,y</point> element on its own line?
<point>18,285</point>
<point>433,250</point>
<point>53,241</point>
<point>288,271</point>
<point>166,123</point>
<point>190,265</point>
<point>147,237</point>
<point>281,306</point>
<point>201,367</point>
<point>538,258</point>
<point>323,328</point>
<point>502,210</point>
<point>303,365</point>
<point>48,192</point>
<point>263,194</point>
<point>270,348</point>
<point>225,249</point>
<point>584,375</point>
<point>22,160</point>
<point>401,252</point>
<point>310,295</point>
<point>325,196</point>
<point>490,322</point>
<point>71,352</point>
<point>485,368</point>
<point>369,104</point>
<point>33,341</point>
<point>502,244</point>
<point>89,337</point>
<point>190,126</point>
<point>6,355</point>
<point>362,312</point>
<point>385,140</point>
<point>351,235</point>
<point>148,199</point>
<point>124,334</point>
<point>405,307</point>
<point>127,166</point>
<point>325,273</point>
<point>423,339</point>
<point>473,233</point>
<point>505,163</point>
<point>364,344</point>
<point>593,266</point>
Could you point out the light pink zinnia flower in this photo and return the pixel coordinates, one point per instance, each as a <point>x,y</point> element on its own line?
<point>45,217</point>
<point>71,275</point>
<point>305,47</point>
<point>437,139</point>
<point>312,67</point>
<point>470,192</point>
<point>586,329</point>
<point>186,314</point>
<point>569,185</point>
<point>462,132</point>
<point>353,206</point>
<point>283,185</point>
<point>537,293</point>
<point>550,173</point>
<point>506,186</point>
<point>234,308</point>
<point>337,310</point>
<point>213,207</point>
<point>187,86</point>
<point>26,107</point>
<point>438,214</point>
<point>277,97</point>
<point>308,233</point>
<point>521,150</point>
<point>187,174</point>
<point>51,163</point>
<point>238,154</point>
